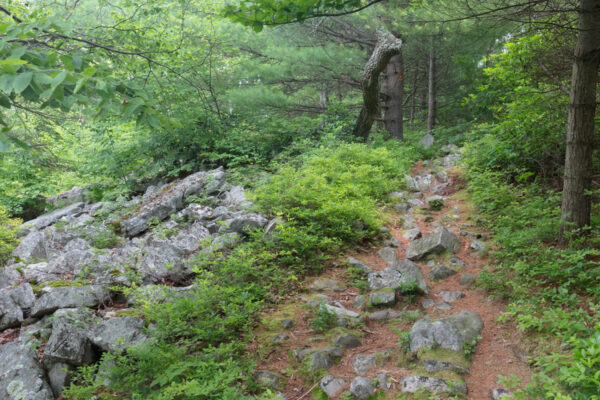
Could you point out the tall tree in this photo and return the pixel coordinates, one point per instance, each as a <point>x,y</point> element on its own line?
<point>394,97</point>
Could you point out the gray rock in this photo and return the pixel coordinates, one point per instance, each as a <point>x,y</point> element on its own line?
<point>31,248</point>
<point>50,218</point>
<point>341,312</point>
<point>388,255</point>
<point>402,272</point>
<point>9,275</point>
<point>397,195</point>
<point>401,207</point>
<point>116,335</point>
<point>68,344</point>
<point>354,263</point>
<point>438,241</point>
<point>457,262</point>
<point>427,303</point>
<point>332,385</point>
<point>426,141</point>
<point>13,301</point>
<point>449,332</point>
<point>269,379</point>
<point>364,363</point>
<point>361,388</point>
<point>320,360</point>
<point>280,338</point>
<point>327,285</point>
<point>467,279</point>
<point>440,272</point>
<point>393,242</point>
<point>382,382</point>
<point>501,394</point>
<point>435,202</point>
<point>347,341</point>
<point>287,323</point>
<point>236,197</point>
<point>432,366</point>
<point>273,226</point>
<point>21,375</point>
<point>247,223</point>
<point>451,296</point>
<point>384,315</point>
<point>411,384</point>
<point>412,234</point>
<point>69,297</point>
<point>416,203</point>
<point>59,376</point>
<point>190,238</point>
<point>359,301</point>
<point>478,245</point>
<point>382,298</point>
<point>443,305</point>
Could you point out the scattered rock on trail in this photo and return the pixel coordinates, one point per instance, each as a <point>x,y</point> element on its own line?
<point>22,374</point>
<point>382,298</point>
<point>467,279</point>
<point>347,341</point>
<point>412,384</point>
<point>332,385</point>
<point>451,296</point>
<point>69,297</point>
<point>412,234</point>
<point>393,277</point>
<point>440,272</point>
<point>438,241</point>
<point>383,315</point>
<point>269,380</point>
<point>432,366</point>
<point>500,394</point>
<point>326,284</point>
<point>361,388</point>
<point>448,333</point>
<point>354,263</point>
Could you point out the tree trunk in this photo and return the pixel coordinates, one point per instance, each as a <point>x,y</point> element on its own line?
<point>387,46</point>
<point>413,99</point>
<point>431,104</point>
<point>576,205</point>
<point>394,97</point>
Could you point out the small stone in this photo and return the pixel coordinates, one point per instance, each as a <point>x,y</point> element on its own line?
<point>427,303</point>
<point>280,337</point>
<point>361,388</point>
<point>354,263</point>
<point>412,234</point>
<point>451,296</point>
<point>359,300</point>
<point>287,323</point>
<point>449,333</point>
<point>382,298</point>
<point>478,245</point>
<point>412,384</point>
<point>438,241</point>
<point>416,203</point>
<point>384,315</point>
<point>457,262</point>
<point>342,322</point>
<point>443,305</point>
<point>440,272</point>
<point>347,341</point>
<point>388,255</point>
<point>501,394</point>
<point>467,279</point>
<point>435,202</point>
<point>401,207</point>
<point>432,366</point>
<point>382,382</point>
<point>332,385</point>
<point>320,360</point>
<point>393,242</point>
<point>363,363</point>
<point>322,285</point>
<point>426,141</point>
<point>269,380</point>
<point>341,312</point>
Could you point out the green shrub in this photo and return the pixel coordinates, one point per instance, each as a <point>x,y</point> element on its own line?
<point>8,238</point>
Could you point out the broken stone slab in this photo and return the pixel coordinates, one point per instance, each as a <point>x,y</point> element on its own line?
<point>382,298</point>
<point>412,234</point>
<point>354,263</point>
<point>388,254</point>
<point>440,272</point>
<point>32,248</point>
<point>432,366</point>
<point>247,223</point>
<point>332,385</point>
<point>269,380</point>
<point>438,241</point>
<point>68,343</point>
<point>327,285</point>
<point>69,297</point>
<point>397,275</point>
<point>384,315</point>
<point>426,141</point>
<point>59,376</point>
<point>116,335</point>
<point>412,384</point>
<point>48,219</point>
<point>467,279</point>
<point>361,388</point>
<point>501,394</point>
<point>342,312</point>
<point>347,341</point>
<point>13,303</point>
<point>443,305</point>
<point>21,374</point>
<point>449,332</point>
<point>451,296</point>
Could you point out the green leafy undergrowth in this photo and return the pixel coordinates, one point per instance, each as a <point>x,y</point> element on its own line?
<point>8,232</point>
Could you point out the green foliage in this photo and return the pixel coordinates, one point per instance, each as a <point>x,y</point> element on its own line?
<point>8,238</point>
<point>469,347</point>
<point>323,320</point>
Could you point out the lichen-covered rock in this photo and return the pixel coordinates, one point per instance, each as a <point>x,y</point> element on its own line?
<point>116,335</point>
<point>384,315</point>
<point>59,376</point>
<point>13,301</point>
<point>440,272</point>
<point>332,385</point>
<point>448,333</point>
<point>438,241</point>
<point>31,248</point>
<point>364,363</point>
<point>382,298</point>
<point>48,219</point>
<point>432,366</point>
<point>21,375</point>
<point>269,380</point>
<point>451,296</point>
<point>361,388</point>
<point>347,341</point>
<point>68,344</point>
<point>500,394</point>
<point>411,384</point>
<point>326,284</point>
<point>69,297</point>
<point>247,223</point>
<point>467,279</point>
<point>393,277</point>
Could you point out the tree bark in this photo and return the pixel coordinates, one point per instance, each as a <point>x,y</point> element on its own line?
<point>387,47</point>
<point>394,97</point>
<point>431,104</point>
<point>576,204</point>
<point>414,96</point>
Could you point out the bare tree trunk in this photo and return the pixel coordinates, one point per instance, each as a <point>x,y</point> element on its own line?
<point>431,105</point>
<point>387,46</point>
<point>394,97</point>
<point>576,205</point>
<point>414,97</point>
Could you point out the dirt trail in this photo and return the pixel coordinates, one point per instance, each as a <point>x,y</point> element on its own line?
<point>494,353</point>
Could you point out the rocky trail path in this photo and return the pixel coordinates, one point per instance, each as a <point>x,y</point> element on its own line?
<point>402,320</point>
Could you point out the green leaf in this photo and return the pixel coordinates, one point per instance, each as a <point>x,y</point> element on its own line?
<point>58,79</point>
<point>4,101</point>
<point>22,81</point>
<point>5,144</point>
<point>12,61</point>
<point>79,84</point>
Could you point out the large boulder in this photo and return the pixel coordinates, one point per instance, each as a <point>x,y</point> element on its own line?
<point>397,275</point>
<point>448,333</point>
<point>427,141</point>
<point>170,199</point>
<point>68,343</point>
<point>48,219</point>
<point>436,242</point>
<point>69,297</point>
<point>247,223</point>
<point>13,302</point>
<point>21,375</point>
<point>116,335</point>
<point>31,248</point>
